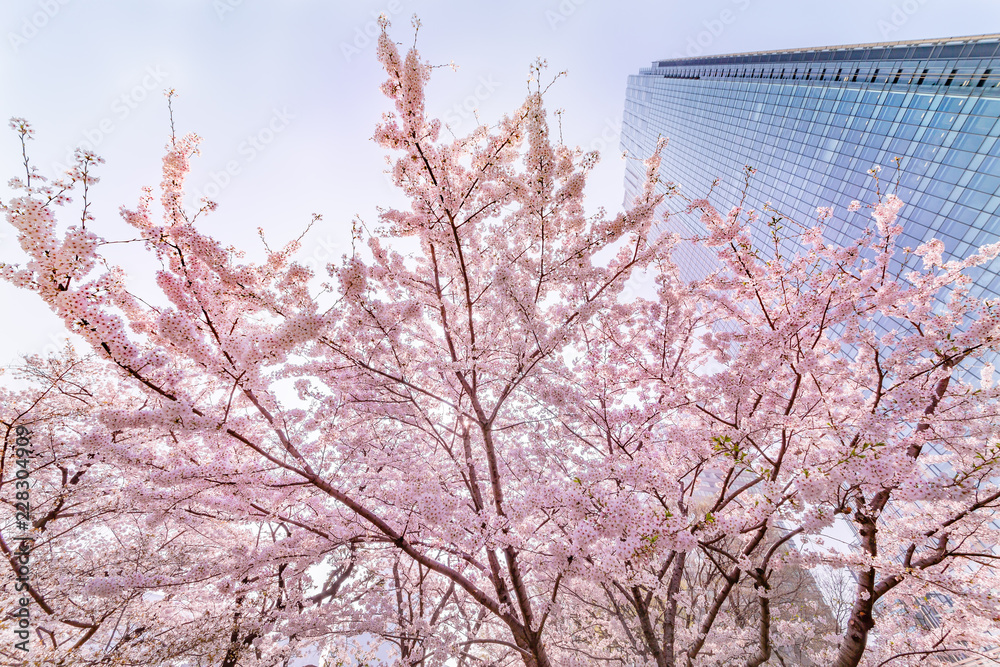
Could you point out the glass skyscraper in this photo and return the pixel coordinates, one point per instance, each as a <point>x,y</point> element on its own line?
<point>812,122</point>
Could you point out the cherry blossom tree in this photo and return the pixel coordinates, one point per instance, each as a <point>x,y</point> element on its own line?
<point>140,557</point>
<point>469,444</point>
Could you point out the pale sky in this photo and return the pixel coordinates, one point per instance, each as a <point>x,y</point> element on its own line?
<point>285,94</point>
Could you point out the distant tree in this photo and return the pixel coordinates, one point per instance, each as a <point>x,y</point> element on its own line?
<point>470,446</point>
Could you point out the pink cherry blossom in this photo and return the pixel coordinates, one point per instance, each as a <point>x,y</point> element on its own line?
<point>472,446</point>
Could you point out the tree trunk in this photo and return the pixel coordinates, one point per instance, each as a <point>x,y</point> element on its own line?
<point>642,610</point>
<point>531,648</point>
<point>541,658</point>
<point>670,615</point>
<point>859,623</point>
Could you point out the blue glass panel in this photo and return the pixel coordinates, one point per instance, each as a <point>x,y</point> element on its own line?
<point>991,166</point>
<point>979,124</point>
<point>987,107</point>
<point>985,183</point>
<point>968,142</point>
<point>974,199</point>
<point>952,104</point>
<point>956,158</point>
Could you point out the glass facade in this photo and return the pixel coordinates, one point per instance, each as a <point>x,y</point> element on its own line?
<point>813,122</point>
